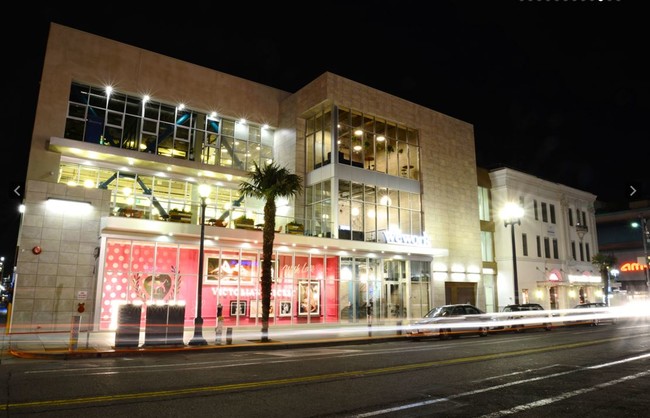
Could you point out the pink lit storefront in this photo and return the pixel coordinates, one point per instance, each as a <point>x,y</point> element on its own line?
<point>304,288</point>
<point>308,288</point>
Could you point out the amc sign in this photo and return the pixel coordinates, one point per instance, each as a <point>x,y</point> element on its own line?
<point>633,267</point>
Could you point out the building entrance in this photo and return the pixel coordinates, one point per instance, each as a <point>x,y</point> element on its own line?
<point>395,286</point>
<point>460,292</point>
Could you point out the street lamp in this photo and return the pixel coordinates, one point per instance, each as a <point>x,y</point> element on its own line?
<point>197,339</point>
<point>511,215</point>
<point>645,235</point>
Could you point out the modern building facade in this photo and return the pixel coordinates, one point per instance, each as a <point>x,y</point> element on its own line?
<point>389,216</point>
<point>554,242</point>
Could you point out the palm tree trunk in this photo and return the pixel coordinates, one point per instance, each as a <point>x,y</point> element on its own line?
<point>267,264</point>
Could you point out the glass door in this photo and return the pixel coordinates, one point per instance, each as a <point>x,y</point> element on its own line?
<point>394,288</point>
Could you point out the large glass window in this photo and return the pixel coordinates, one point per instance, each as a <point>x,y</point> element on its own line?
<point>484,204</point>
<point>140,124</point>
<point>318,209</point>
<point>365,212</point>
<point>153,197</point>
<point>487,249</point>
<point>363,141</point>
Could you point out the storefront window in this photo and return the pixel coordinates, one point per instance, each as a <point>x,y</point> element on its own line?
<point>306,289</point>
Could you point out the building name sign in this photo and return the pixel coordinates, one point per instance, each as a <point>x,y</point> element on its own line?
<point>251,292</point>
<point>629,266</point>
<point>575,278</point>
<point>399,238</point>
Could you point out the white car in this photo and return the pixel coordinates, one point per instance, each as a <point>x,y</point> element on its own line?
<point>594,313</point>
<point>451,321</point>
<point>519,318</point>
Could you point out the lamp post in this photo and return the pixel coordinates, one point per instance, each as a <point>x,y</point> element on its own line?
<point>645,235</point>
<point>512,214</point>
<point>646,239</point>
<point>614,273</point>
<point>197,339</point>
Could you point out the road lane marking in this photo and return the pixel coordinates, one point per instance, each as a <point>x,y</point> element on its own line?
<point>515,373</point>
<point>518,382</point>
<point>305,379</point>
<point>564,396</point>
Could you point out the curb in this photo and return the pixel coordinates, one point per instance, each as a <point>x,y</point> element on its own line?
<point>66,354</point>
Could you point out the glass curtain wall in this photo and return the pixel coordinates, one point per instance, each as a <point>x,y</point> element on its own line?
<point>365,211</point>
<point>375,144</point>
<point>394,289</point>
<point>318,209</point>
<point>143,196</point>
<point>103,116</point>
<point>362,141</point>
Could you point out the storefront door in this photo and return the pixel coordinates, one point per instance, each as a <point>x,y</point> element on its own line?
<point>395,286</point>
<point>552,297</point>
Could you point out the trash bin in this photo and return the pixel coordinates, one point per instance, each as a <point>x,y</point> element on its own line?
<point>128,325</point>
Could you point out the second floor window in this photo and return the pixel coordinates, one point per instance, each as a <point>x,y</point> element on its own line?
<point>524,243</point>
<point>552,210</point>
<point>547,248</point>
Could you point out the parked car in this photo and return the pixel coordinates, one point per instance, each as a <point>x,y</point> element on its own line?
<point>519,318</point>
<point>595,313</point>
<point>451,321</point>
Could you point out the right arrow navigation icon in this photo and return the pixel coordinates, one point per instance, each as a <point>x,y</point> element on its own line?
<point>633,190</point>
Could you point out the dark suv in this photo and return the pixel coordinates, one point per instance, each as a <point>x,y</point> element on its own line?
<point>519,318</point>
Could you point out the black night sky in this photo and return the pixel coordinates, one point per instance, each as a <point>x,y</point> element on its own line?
<point>556,88</point>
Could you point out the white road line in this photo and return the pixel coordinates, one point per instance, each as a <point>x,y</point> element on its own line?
<point>516,373</point>
<point>563,396</point>
<point>519,382</point>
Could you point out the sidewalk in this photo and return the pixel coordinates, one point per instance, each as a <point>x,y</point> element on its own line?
<point>60,345</point>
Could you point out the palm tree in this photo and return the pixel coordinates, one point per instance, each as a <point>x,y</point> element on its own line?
<point>268,183</point>
<point>604,262</point>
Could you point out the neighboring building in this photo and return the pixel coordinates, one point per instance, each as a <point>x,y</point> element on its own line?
<point>625,234</point>
<point>554,242</point>
<point>487,218</point>
<point>389,213</point>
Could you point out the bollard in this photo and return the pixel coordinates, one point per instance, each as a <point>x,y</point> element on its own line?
<point>218,331</point>
<point>228,336</point>
<point>74,332</point>
<point>369,330</point>
<point>399,327</point>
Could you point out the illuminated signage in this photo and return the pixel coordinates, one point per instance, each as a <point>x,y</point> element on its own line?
<point>399,238</point>
<point>250,292</point>
<point>583,278</point>
<point>633,267</point>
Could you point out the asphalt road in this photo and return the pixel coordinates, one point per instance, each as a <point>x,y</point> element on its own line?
<point>577,371</point>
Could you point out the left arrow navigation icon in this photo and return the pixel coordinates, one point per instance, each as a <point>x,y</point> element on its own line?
<point>16,191</point>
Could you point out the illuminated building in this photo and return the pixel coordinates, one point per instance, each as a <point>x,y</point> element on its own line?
<point>388,214</point>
